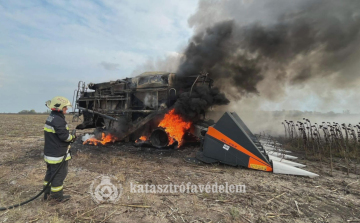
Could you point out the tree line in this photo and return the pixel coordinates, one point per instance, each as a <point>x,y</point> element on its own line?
<point>32,111</point>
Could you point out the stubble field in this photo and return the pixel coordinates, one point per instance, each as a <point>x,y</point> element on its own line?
<point>268,198</point>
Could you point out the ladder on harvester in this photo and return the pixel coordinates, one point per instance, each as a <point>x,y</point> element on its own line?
<point>77,93</point>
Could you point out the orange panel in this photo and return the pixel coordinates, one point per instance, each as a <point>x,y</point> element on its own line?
<point>254,161</point>
<point>255,164</point>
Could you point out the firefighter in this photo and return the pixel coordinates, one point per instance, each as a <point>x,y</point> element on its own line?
<point>57,140</point>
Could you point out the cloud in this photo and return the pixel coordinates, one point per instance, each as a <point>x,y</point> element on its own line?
<point>58,43</point>
<point>110,66</point>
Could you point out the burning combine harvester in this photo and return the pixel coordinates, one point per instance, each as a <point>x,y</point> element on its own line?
<point>139,108</point>
<point>143,109</point>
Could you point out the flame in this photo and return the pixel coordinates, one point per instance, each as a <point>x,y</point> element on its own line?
<point>175,127</point>
<point>141,139</point>
<point>104,139</point>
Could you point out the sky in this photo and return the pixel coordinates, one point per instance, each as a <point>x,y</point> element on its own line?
<point>47,47</point>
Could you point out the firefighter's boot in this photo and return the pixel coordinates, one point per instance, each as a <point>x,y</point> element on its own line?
<point>59,196</point>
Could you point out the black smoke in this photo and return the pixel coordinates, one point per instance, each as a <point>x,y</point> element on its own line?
<point>213,51</point>
<point>192,105</point>
<point>297,42</point>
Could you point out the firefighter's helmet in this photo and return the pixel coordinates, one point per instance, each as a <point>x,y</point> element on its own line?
<point>58,103</point>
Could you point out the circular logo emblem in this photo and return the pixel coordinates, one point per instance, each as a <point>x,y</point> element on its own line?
<point>105,189</point>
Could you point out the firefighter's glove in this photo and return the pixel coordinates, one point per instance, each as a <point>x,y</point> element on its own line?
<point>73,138</point>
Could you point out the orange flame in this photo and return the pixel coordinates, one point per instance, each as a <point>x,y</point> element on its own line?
<point>175,127</point>
<point>141,139</point>
<point>104,139</point>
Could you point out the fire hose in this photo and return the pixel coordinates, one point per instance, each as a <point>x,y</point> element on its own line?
<point>47,185</point>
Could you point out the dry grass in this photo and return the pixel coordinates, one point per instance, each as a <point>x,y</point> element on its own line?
<point>323,199</point>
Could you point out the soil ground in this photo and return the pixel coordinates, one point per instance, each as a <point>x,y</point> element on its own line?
<point>268,197</point>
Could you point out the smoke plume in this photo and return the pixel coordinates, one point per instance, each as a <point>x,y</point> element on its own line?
<point>244,45</point>
<point>190,105</point>
<point>272,54</point>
